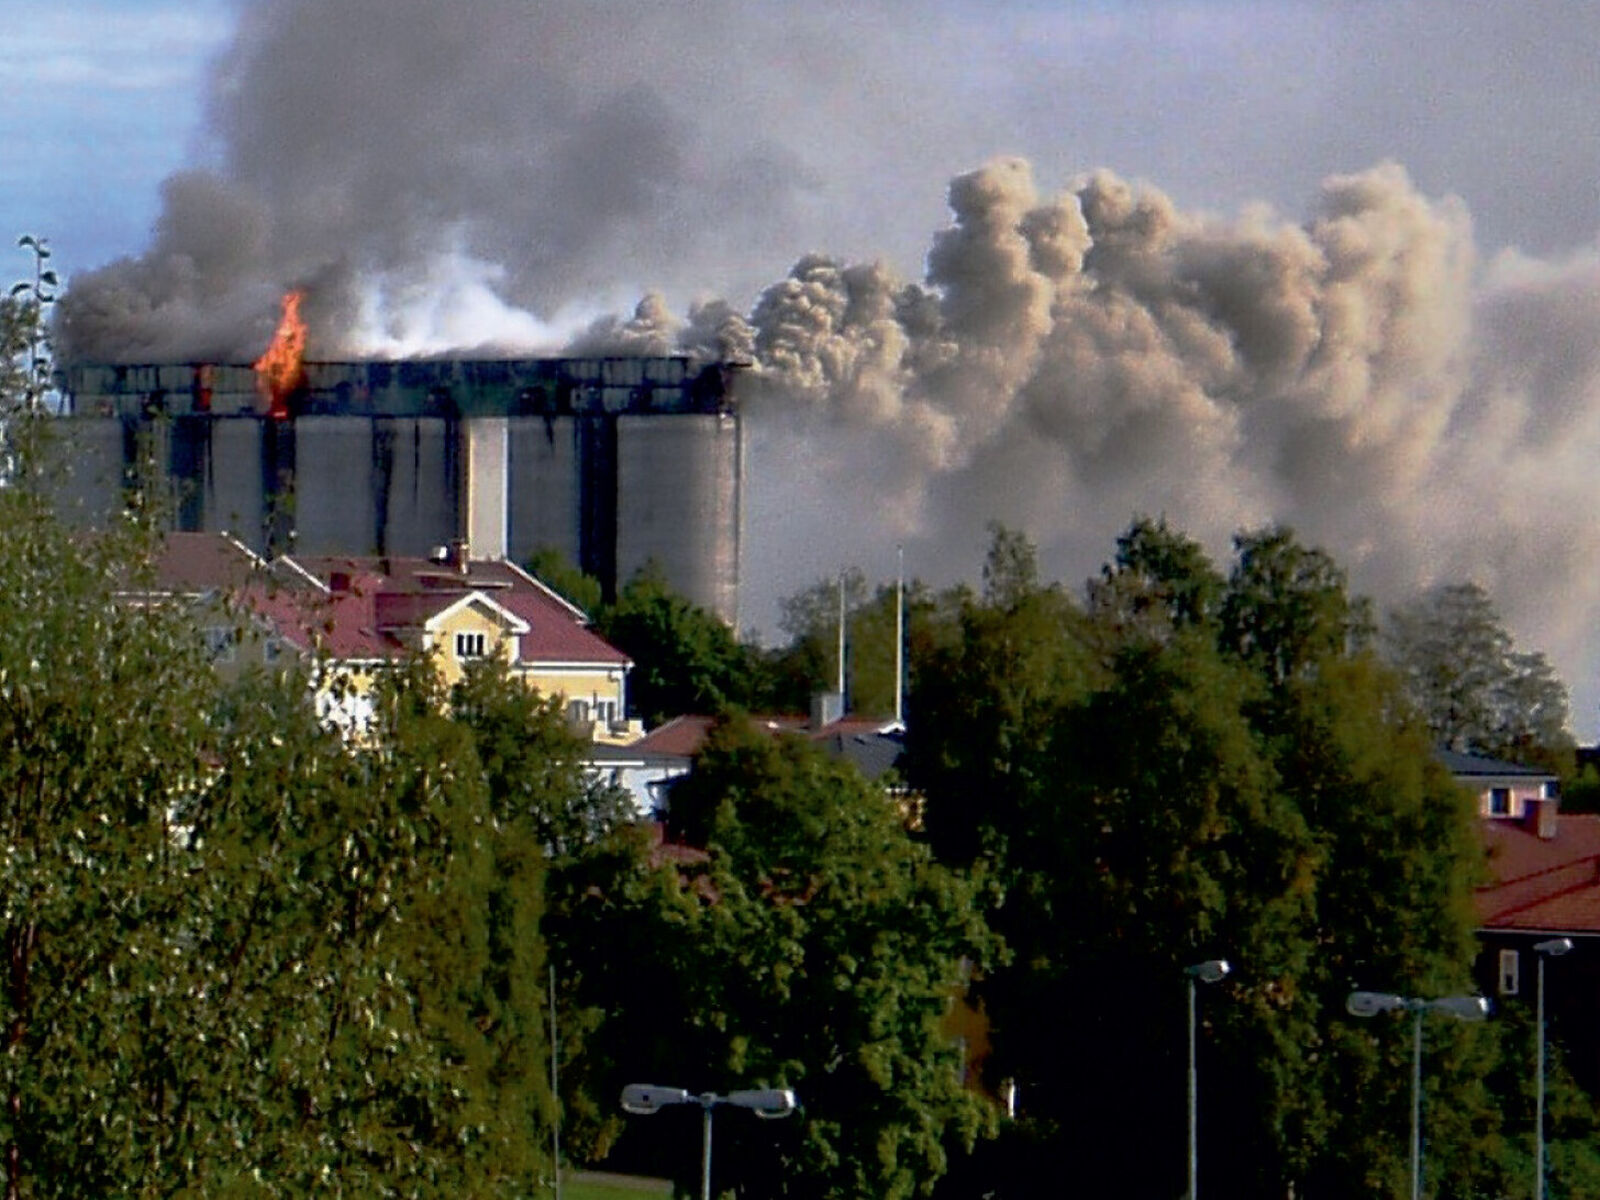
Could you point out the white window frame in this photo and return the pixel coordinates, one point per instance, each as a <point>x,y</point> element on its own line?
<point>471,644</point>
<point>1502,794</point>
<point>1510,972</point>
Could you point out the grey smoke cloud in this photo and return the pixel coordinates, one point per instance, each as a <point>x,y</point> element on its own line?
<point>1061,360</point>
<point>1075,359</point>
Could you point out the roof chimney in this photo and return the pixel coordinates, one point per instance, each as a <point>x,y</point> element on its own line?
<point>826,708</point>
<point>1539,816</point>
<point>459,551</point>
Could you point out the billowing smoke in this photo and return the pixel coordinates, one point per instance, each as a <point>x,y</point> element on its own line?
<point>1063,362</point>
<point>1073,360</point>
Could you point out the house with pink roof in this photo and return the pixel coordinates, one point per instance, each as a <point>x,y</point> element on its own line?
<point>1541,884</point>
<point>353,615</point>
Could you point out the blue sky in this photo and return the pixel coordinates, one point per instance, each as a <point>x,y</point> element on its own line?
<point>106,100</point>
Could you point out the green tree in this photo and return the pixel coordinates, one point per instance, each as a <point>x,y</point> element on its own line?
<point>809,662</point>
<point>1476,692</point>
<point>555,570</point>
<point>532,762</point>
<point>23,328</point>
<point>1194,770</point>
<point>686,660</point>
<point>1157,581</point>
<point>17,323</point>
<point>103,731</point>
<point>815,945</point>
<point>243,957</point>
<point>1288,608</point>
<point>989,684</point>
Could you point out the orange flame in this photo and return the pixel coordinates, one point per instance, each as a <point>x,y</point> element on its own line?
<point>282,369</point>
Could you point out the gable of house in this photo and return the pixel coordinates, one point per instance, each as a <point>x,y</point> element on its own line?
<point>1503,789</point>
<point>354,614</point>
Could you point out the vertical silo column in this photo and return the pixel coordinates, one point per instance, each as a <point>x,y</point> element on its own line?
<point>678,503</point>
<point>488,478</point>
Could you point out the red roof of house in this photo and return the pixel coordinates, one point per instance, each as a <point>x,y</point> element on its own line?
<point>681,736</point>
<point>1542,884</point>
<point>356,607</point>
<point>204,562</point>
<point>382,595</point>
<point>339,625</point>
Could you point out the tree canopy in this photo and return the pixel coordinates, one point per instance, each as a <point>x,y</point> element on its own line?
<point>814,945</point>
<point>1476,691</point>
<point>1194,765</point>
<point>245,957</point>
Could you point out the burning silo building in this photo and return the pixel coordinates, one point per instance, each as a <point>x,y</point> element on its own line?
<point>615,462</point>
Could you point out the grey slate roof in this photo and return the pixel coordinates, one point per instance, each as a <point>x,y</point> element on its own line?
<point>1467,766</point>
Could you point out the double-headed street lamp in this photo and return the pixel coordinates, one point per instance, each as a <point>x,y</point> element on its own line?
<point>1462,1008</point>
<point>1210,971</point>
<point>1550,948</point>
<point>767,1103</point>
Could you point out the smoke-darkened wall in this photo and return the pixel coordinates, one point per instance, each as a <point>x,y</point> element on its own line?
<point>614,462</point>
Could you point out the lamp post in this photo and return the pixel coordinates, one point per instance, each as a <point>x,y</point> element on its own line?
<point>766,1103</point>
<point>1550,948</point>
<point>1210,971</point>
<point>1462,1008</point>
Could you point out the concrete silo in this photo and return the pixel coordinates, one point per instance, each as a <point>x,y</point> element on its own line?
<point>612,461</point>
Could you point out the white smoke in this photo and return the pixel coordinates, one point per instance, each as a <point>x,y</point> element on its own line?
<point>494,177</point>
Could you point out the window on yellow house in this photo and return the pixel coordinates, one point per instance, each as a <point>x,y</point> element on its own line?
<point>469,645</point>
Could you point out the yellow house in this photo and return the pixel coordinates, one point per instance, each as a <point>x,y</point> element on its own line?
<point>354,615</point>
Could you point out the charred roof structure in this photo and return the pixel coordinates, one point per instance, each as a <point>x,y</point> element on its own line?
<point>615,462</point>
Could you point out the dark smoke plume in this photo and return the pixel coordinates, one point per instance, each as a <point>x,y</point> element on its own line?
<point>491,175</point>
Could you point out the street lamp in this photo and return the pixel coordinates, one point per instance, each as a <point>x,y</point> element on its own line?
<point>1462,1008</point>
<point>766,1103</point>
<point>1210,971</point>
<point>1550,948</point>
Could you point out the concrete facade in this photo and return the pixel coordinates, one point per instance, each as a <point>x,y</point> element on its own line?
<point>612,461</point>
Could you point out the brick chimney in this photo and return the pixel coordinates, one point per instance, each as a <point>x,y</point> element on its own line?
<point>1539,816</point>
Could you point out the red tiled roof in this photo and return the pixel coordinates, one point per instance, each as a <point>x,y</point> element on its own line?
<point>685,735</point>
<point>1542,884</point>
<point>398,592</point>
<point>340,626</point>
<point>681,736</point>
<point>846,727</point>
<point>554,636</point>
<point>204,562</point>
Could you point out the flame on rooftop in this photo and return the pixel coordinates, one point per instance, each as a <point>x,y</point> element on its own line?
<point>281,370</point>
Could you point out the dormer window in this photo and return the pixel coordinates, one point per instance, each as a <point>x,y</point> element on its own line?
<point>470,645</point>
<point>1499,802</point>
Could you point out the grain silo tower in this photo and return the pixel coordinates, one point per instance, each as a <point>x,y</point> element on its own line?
<point>613,461</point>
